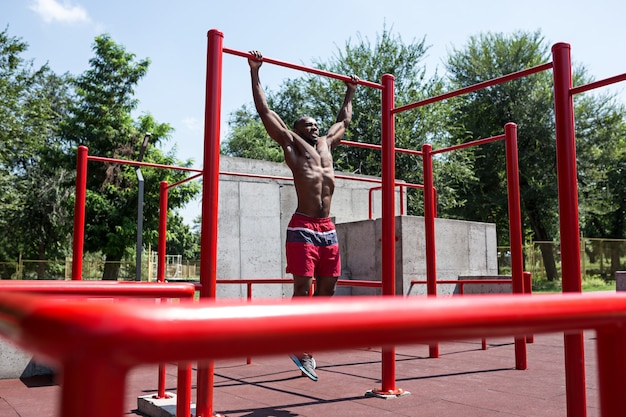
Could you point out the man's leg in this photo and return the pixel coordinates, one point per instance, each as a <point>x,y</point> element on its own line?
<point>325,286</point>
<point>302,286</point>
<point>304,361</point>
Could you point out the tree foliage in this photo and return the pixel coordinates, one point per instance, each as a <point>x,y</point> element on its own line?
<point>101,118</point>
<point>529,103</point>
<point>34,202</point>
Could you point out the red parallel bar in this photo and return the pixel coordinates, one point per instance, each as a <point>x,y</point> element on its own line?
<point>468,144</point>
<point>61,329</point>
<point>303,68</point>
<point>567,181</point>
<point>79,213</point>
<point>598,84</point>
<point>256,281</point>
<point>143,164</point>
<point>527,280</point>
<point>463,282</point>
<point>101,288</point>
<point>475,87</point>
<point>206,330</point>
<point>252,281</point>
<point>515,230</point>
<point>359,283</point>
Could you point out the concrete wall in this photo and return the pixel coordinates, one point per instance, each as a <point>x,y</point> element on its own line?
<point>462,248</point>
<point>253,218</point>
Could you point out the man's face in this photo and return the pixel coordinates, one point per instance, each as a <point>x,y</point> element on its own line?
<point>308,130</point>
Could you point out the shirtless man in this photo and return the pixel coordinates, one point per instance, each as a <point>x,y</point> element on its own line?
<point>312,248</point>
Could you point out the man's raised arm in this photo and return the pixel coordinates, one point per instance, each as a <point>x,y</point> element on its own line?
<point>274,125</point>
<point>336,131</point>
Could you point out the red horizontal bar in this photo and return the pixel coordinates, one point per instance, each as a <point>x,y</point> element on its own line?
<point>176,184</point>
<point>101,288</point>
<point>475,87</point>
<point>341,282</point>
<point>468,144</point>
<point>303,68</point>
<point>378,147</point>
<point>208,330</point>
<point>255,281</point>
<point>359,283</point>
<point>598,84</point>
<point>467,281</point>
<point>263,176</point>
<point>143,164</point>
<point>339,176</point>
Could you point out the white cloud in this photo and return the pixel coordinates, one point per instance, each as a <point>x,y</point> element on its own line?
<point>66,12</point>
<point>192,124</point>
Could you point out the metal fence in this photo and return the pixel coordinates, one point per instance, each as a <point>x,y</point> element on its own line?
<point>93,269</point>
<point>599,258</point>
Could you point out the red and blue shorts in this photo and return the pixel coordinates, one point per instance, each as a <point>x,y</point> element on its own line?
<point>312,247</point>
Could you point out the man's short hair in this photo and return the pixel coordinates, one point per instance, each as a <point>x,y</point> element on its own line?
<point>298,120</point>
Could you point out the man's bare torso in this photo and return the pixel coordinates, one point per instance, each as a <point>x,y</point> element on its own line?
<point>314,176</point>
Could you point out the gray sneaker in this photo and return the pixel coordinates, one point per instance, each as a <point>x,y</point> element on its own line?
<point>306,364</point>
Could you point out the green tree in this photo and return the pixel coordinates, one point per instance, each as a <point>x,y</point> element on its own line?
<point>181,240</point>
<point>529,103</point>
<point>102,120</point>
<point>601,150</point>
<point>34,196</point>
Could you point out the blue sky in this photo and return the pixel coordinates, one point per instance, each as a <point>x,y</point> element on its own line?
<point>173,35</point>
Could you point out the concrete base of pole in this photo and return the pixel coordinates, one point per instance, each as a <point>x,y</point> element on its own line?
<point>151,406</point>
<point>387,395</point>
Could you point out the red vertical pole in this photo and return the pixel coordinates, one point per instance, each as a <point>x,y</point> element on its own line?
<point>611,345</point>
<point>528,289</point>
<point>249,298</point>
<point>79,213</point>
<point>183,389</point>
<point>429,231</point>
<point>388,222</point>
<point>210,194</point>
<point>515,230</point>
<point>568,221</point>
<point>162,376</point>
<point>100,395</point>
<point>162,248</point>
<point>161,266</point>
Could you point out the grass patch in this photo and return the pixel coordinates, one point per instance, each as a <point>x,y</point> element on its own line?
<point>589,284</point>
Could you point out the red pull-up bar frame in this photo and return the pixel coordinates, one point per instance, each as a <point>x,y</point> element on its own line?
<point>63,331</point>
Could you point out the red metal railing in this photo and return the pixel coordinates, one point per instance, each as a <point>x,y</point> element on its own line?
<point>462,283</point>
<point>73,336</point>
<point>117,289</point>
